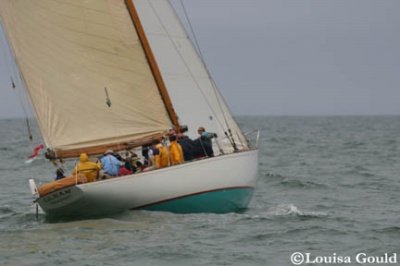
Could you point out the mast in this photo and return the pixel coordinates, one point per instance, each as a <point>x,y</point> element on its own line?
<point>153,63</point>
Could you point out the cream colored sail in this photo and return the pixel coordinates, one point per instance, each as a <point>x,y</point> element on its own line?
<point>68,52</point>
<point>194,97</point>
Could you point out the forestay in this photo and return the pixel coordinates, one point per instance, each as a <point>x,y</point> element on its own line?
<point>194,98</point>
<point>68,52</point>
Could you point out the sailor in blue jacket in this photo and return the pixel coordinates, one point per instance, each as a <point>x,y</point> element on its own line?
<point>110,164</point>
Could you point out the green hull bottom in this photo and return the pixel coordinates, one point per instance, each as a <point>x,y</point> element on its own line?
<point>218,201</point>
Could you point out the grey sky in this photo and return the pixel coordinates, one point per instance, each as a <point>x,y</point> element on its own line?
<point>331,57</point>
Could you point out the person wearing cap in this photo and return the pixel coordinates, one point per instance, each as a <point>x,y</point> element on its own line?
<point>205,141</point>
<point>87,168</point>
<point>110,164</point>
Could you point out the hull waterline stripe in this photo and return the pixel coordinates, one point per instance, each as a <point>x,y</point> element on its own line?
<point>189,195</point>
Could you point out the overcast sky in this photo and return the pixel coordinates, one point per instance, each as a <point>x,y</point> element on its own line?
<point>331,57</point>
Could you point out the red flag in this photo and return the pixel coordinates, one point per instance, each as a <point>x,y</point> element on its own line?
<point>35,151</point>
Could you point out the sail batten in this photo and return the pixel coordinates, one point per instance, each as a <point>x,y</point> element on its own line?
<point>67,53</point>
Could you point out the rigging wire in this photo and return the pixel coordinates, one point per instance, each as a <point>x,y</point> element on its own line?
<point>185,63</point>
<point>196,43</point>
<point>14,69</point>
<point>213,83</point>
<point>7,54</point>
<point>231,140</point>
<point>28,126</point>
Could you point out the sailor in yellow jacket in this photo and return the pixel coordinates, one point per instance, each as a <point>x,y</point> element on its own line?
<point>161,159</point>
<point>87,168</point>
<point>175,151</point>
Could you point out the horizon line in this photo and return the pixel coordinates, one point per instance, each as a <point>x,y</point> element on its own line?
<point>254,115</point>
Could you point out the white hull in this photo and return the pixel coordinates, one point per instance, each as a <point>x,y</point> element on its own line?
<point>238,170</point>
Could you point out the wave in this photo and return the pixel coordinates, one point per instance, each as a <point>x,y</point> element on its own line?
<point>301,184</point>
<point>293,182</point>
<point>389,230</point>
<point>292,210</point>
<point>284,140</point>
<point>6,212</point>
<point>270,175</point>
<point>358,170</point>
<point>353,144</point>
<point>285,210</point>
<point>5,209</point>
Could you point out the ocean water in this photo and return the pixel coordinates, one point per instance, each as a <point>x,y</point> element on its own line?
<point>328,186</point>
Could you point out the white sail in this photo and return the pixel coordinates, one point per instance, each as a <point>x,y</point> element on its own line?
<point>68,52</point>
<point>195,100</point>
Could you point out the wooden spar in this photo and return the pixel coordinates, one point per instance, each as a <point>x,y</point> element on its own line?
<point>100,149</point>
<point>153,63</point>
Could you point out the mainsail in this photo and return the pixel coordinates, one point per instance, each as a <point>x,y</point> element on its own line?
<point>86,73</point>
<point>194,96</point>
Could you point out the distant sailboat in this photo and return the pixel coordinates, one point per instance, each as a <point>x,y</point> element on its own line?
<point>115,74</point>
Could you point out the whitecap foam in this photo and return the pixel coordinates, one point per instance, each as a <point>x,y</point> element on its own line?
<point>292,210</point>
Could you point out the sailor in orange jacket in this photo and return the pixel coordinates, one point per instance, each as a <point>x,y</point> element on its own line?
<point>87,168</point>
<point>175,151</point>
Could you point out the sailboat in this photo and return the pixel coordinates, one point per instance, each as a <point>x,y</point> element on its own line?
<point>117,74</point>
